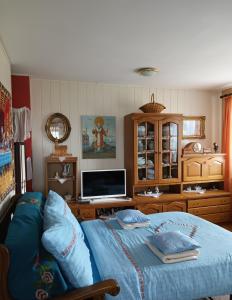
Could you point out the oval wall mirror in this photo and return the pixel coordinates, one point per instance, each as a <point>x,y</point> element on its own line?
<point>58,128</point>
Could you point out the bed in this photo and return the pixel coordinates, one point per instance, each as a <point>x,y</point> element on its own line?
<point>122,256</point>
<point>141,275</point>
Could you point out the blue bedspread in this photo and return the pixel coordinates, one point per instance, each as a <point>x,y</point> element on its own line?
<point>124,256</point>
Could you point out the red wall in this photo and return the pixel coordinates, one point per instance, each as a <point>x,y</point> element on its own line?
<point>21,98</point>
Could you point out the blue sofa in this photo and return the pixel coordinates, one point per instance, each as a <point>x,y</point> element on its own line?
<point>27,270</point>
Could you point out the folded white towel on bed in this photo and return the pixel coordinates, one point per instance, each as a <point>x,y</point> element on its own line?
<point>174,258</point>
<point>132,225</point>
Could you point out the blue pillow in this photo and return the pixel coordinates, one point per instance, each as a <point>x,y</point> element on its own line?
<point>132,216</point>
<point>56,206</point>
<point>71,252</point>
<point>173,242</point>
<point>33,272</point>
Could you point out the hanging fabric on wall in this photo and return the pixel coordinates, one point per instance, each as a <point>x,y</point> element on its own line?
<point>6,144</point>
<point>29,169</point>
<point>21,100</point>
<point>227,141</point>
<point>21,124</point>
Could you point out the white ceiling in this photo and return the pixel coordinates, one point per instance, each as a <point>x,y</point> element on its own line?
<point>105,40</point>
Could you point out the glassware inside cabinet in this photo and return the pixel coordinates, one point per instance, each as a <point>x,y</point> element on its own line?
<point>169,150</point>
<point>141,160</point>
<point>141,145</point>
<point>146,150</point>
<point>142,129</point>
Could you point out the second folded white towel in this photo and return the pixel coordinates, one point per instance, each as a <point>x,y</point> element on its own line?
<point>176,257</point>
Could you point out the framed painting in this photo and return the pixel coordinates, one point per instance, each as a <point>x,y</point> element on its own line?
<point>194,127</point>
<point>98,137</point>
<point>6,144</point>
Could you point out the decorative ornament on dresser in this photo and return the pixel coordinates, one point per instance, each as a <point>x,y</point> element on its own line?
<point>98,136</point>
<point>215,147</point>
<point>193,148</point>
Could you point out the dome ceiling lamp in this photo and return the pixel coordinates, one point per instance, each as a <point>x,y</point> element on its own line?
<point>147,72</point>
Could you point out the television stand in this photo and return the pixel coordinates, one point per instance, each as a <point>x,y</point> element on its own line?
<point>90,211</point>
<point>106,200</point>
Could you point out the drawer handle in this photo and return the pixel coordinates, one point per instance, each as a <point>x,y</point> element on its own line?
<point>225,201</point>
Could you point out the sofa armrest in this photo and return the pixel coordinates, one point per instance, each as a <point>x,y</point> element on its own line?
<point>95,291</point>
<point>4,266</point>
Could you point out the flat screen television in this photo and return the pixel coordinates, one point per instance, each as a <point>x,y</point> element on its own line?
<point>103,183</point>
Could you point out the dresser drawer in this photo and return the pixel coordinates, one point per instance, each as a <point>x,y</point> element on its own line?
<point>218,218</point>
<point>174,206</point>
<point>73,207</point>
<point>150,208</point>
<point>87,214</point>
<point>209,202</point>
<point>210,209</point>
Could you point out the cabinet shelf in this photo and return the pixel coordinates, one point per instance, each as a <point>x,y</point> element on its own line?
<point>146,151</point>
<point>66,179</point>
<point>169,150</point>
<point>165,165</point>
<point>146,167</point>
<point>166,138</point>
<point>148,137</point>
<point>62,185</point>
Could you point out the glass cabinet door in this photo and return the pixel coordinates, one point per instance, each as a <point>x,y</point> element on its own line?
<point>169,151</point>
<point>147,151</point>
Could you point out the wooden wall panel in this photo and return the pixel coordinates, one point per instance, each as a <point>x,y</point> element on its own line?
<point>74,99</point>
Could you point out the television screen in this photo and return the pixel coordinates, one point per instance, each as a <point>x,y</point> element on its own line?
<point>103,183</point>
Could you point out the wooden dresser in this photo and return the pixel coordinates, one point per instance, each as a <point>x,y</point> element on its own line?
<point>86,211</point>
<point>177,177</point>
<point>205,170</point>
<point>166,202</point>
<point>214,206</point>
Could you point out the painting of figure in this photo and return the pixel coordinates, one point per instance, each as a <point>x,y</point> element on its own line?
<point>98,136</point>
<point>6,144</point>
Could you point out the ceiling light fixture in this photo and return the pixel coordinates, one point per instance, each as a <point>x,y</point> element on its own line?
<point>149,71</point>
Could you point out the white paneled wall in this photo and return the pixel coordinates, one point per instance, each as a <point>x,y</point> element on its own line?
<point>5,70</point>
<point>74,99</point>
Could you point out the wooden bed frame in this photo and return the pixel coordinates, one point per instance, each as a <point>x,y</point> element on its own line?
<point>93,292</point>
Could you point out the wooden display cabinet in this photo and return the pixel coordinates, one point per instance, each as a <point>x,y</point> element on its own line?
<point>65,183</point>
<point>152,149</point>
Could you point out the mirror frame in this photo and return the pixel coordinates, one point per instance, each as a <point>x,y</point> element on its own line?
<point>65,121</point>
<point>202,127</point>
